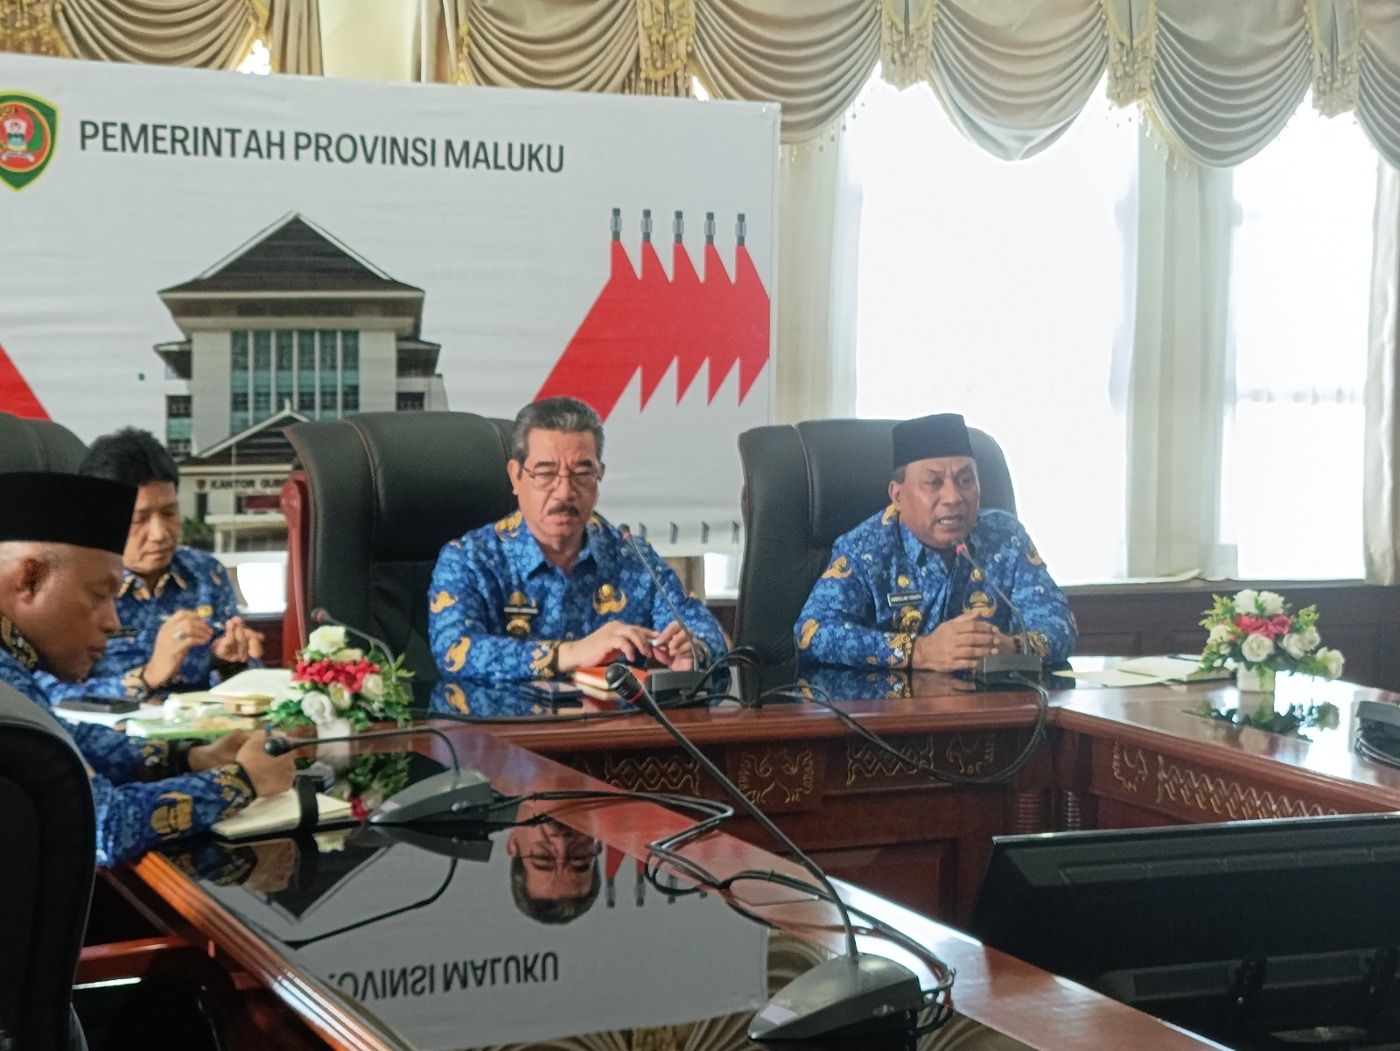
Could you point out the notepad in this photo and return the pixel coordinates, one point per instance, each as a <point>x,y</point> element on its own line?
<point>280,813</point>
<point>254,690</point>
<point>209,726</point>
<point>1149,671</point>
<point>594,682</point>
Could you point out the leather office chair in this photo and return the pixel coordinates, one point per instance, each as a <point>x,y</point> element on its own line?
<point>38,445</point>
<point>804,485</point>
<point>46,880</point>
<point>385,491</point>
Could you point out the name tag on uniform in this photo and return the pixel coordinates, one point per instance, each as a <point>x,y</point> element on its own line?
<point>905,598</point>
<point>123,633</point>
<point>519,609</point>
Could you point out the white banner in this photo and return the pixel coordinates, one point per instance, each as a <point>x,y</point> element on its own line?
<point>199,253</point>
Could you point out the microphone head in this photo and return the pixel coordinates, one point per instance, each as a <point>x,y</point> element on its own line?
<point>961,550</point>
<point>625,530</point>
<point>319,615</point>
<point>279,745</point>
<point>623,681</point>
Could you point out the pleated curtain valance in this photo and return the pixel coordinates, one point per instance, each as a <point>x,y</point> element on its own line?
<point>209,34</point>
<point>1218,78</point>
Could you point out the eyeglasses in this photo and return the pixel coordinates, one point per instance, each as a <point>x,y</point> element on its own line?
<point>578,856</point>
<point>583,479</point>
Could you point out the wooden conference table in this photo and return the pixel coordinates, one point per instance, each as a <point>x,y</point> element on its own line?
<point>402,947</point>
<point>1112,758</point>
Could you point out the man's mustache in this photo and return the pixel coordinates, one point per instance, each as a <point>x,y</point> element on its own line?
<point>561,509</point>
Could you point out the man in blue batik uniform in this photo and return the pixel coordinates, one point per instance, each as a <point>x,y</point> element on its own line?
<point>554,587</point>
<point>906,588</point>
<point>174,600</point>
<point>60,538</point>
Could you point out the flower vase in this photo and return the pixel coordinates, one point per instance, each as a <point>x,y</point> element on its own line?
<point>336,755</point>
<point>1259,679</point>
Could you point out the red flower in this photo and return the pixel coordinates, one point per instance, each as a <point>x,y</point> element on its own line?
<point>1273,627</point>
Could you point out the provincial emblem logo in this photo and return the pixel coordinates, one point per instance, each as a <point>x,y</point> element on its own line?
<point>28,133</point>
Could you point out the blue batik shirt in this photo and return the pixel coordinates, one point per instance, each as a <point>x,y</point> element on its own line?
<point>883,589</point>
<point>135,812</point>
<point>193,580</point>
<point>498,608</point>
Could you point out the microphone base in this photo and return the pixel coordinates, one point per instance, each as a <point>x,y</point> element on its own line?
<point>1007,669</point>
<point>463,795</point>
<point>666,685</point>
<point>842,998</point>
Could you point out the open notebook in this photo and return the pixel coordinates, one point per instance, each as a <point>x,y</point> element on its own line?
<point>280,813</point>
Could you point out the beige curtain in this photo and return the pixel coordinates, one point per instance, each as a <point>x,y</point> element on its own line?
<point>1219,79</point>
<point>214,34</point>
<point>1178,382</point>
<point>1381,519</point>
<point>295,37</point>
<point>209,33</point>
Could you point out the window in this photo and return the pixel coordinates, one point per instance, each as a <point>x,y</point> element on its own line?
<point>997,290</point>
<point>178,406</point>
<point>1004,291</point>
<point>1300,303</point>
<point>410,401</point>
<point>178,447</point>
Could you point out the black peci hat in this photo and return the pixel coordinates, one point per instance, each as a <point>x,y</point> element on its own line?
<point>72,509</point>
<point>930,437</point>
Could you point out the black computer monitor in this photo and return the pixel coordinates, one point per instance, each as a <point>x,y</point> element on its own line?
<point>1254,933</point>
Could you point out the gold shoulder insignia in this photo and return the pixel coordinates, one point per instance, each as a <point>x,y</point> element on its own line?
<point>457,654</point>
<point>174,813</point>
<point>1033,556</point>
<point>609,599</point>
<point>809,630</point>
<point>509,526</point>
<point>595,523</point>
<point>891,513</point>
<point>441,601</point>
<point>839,569</point>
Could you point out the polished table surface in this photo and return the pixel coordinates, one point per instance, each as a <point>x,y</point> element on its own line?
<point>1113,757</point>
<point>389,945</point>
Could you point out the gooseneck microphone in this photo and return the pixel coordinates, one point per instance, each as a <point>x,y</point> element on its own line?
<point>1003,669</point>
<point>453,795</point>
<point>320,615</point>
<point>852,994</point>
<point>665,682</point>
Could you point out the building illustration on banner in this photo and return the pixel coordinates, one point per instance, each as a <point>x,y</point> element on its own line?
<point>291,326</point>
<point>646,321</point>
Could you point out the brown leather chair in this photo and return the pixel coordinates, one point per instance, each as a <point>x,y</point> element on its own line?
<point>383,492</point>
<point>804,485</point>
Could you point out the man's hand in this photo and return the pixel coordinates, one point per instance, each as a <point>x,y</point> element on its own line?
<point>269,774</point>
<point>671,648</point>
<point>958,644</point>
<point>181,632</point>
<point>217,753</point>
<point>613,639</point>
<point>238,644</point>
